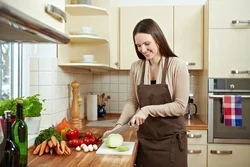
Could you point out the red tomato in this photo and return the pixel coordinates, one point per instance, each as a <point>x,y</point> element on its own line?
<point>81,141</point>
<point>75,142</point>
<point>92,140</point>
<point>97,138</point>
<point>86,141</point>
<point>89,134</point>
<point>70,143</point>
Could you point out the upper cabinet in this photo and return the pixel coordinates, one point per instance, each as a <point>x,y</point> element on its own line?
<point>129,17</point>
<point>228,39</point>
<point>188,35</point>
<point>37,10</point>
<point>182,26</point>
<point>102,17</point>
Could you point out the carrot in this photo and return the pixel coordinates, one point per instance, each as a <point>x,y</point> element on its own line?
<point>63,145</point>
<point>50,144</point>
<point>53,139</point>
<point>47,149</point>
<point>58,150</point>
<point>37,149</point>
<point>67,149</point>
<point>51,151</point>
<point>44,143</point>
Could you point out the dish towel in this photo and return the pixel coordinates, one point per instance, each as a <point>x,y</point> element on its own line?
<point>232,110</point>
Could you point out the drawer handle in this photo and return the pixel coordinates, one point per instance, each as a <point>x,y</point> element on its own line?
<point>194,151</point>
<point>240,72</point>
<point>221,152</point>
<point>240,21</point>
<point>55,12</point>
<point>190,63</point>
<point>194,135</point>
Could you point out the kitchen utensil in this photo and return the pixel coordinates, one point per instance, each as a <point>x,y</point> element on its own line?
<point>106,150</point>
<point>119,130</point>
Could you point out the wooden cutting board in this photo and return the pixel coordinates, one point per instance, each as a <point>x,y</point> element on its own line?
<point>106,150</point>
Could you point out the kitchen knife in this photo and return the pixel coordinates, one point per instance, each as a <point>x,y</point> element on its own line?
<point>118,130</point>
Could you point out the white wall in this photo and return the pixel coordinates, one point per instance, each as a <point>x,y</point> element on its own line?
<point>160,2</point>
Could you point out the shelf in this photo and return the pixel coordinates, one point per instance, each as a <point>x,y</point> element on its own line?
<point>85,10</point>
<point>92,66</point>
<point>87,38</point>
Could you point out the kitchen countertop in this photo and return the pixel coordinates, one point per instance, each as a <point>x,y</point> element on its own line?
<point>91,159</point>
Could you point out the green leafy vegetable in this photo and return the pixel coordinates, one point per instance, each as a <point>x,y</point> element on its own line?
<point>46,134</point>
<point>114,140</point>
<point>122,148</point>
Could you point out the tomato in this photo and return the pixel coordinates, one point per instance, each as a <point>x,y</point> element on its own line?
<point>86,141</point>
<point>92,140</point>
<point>70,143</point>
<point>89,134</point>
<point>81,141</point>
<point>97,138</point>
<point>75,142</point>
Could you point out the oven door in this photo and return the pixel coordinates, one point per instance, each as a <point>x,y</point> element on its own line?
<point>217,131</point>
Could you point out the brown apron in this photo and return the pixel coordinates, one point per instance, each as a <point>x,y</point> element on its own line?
<point>162,140</point>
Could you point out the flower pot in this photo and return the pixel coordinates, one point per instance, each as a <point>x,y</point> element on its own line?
<point>33,124</point>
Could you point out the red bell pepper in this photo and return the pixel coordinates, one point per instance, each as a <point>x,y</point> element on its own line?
<point>72,134</point>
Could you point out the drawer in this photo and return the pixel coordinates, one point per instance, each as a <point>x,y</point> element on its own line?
<point>197,155</point>
<point>197,137</point>
<point>222,12</point>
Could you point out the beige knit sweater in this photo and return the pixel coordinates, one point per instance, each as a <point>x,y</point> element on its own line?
<point>178,83</point>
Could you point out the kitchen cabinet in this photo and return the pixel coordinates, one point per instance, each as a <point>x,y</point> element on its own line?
<point>101,42</point>
<point>36,10</point>
<point>228,155</point>
<point>188,35</point>
<point>197,148</point>
<point>129,17</point>
<point>228,39</point>
<point>182,26</point>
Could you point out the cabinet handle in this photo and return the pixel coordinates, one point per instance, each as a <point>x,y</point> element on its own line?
<point>190,63</point>
<point>240,72</point>
<point>240,21</point>
<point>55,12</point>
<point>194,135</point>
<point>221,152</point>
<point>194,151</point>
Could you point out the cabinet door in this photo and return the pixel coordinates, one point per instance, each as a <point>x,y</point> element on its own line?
<point>36,10</point>
<point>229,50</point>
<point>188,35</point>
<point>222,12</point>
<point>197,155</point>
<point>228,155</point>
<point>129,17</point>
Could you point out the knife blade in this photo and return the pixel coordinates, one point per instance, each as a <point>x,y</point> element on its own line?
<point>118,130</point>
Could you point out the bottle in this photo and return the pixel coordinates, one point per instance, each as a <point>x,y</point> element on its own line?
<point>20,134</point>
<point>11,153</point>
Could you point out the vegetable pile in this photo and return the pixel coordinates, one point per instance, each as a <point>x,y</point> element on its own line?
<point>50,141</point>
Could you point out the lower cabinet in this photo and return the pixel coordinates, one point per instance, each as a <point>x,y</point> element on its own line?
<point>228,155</point>
<point>197,155</point>
<point>197,148</point>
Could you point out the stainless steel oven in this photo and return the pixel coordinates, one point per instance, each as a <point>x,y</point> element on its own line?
<point>217,131</point>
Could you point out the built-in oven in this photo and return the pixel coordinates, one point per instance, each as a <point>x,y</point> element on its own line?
<point>217,131</point>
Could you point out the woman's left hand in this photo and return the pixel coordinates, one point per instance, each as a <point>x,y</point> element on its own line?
<point>138,118</point>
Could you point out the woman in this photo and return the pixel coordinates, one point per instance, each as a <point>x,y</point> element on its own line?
<point>158,91</point>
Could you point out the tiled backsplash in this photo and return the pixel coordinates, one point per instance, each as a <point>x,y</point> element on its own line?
<point>52,83</point>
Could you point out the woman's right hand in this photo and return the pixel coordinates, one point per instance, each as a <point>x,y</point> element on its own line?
<point>108,131</point>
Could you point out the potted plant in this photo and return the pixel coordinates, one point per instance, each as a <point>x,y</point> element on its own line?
<point>32,108</point>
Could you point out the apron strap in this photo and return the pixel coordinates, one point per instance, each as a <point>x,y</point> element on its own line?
<point>164,71</point>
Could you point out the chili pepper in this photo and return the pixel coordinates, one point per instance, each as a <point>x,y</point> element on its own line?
<point>72,134</point>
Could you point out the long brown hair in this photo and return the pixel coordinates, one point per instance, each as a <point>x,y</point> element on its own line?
<point>149,26</point>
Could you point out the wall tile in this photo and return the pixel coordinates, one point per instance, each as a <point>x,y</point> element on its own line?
<point>45,64</point>
<point>34,78</point>
<point>123,88</point>
<point>46,92</point>
<point>45,78</point>
<point>114,77</point>
<point>48,105</point>
<point>97,88</point>
<point>114,97</point>
<point>123,77</point>
<point>34,63</point>
<point>106,78</point>
<point>105,88</point>
<point>114,88</point>
<point>123,96</point>
<point>113,107</point>
<point>34,90</point>
<point>97,78</point>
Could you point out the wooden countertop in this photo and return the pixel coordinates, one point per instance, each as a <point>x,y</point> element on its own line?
<point>91,159</point>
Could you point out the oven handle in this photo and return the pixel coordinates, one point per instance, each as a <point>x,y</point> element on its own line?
<point>221,96</point>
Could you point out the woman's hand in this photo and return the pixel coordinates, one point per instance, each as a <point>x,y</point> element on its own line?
<point>138,118</point>
<point>108,131</point>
